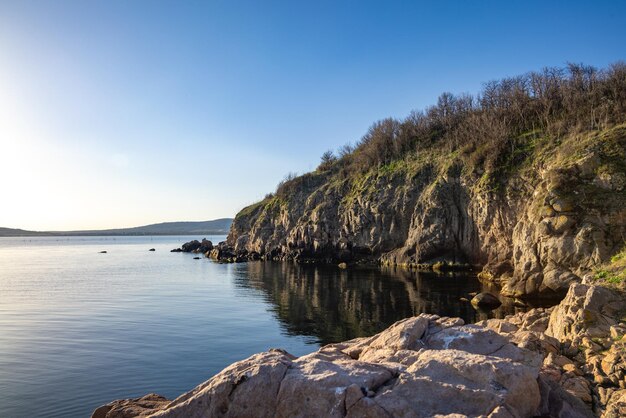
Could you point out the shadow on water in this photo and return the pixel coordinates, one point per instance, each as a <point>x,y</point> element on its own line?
<point>331,305</point>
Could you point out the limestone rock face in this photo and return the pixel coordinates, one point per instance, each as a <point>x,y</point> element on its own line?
<point>582,339</point>
<point>586,311</point>
<point>589,323</point>
<point>420,367</point>
<point>535,232</point>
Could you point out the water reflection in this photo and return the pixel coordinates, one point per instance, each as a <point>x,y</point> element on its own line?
<point>331,305</point>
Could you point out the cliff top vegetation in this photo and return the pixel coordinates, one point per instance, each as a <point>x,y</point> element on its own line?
<point>492,132</point>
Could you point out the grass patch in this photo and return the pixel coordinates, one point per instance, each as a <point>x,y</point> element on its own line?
<point>613,273</point>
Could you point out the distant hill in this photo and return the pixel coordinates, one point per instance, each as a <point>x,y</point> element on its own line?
<point>12,232</point>
<point>213,227</point>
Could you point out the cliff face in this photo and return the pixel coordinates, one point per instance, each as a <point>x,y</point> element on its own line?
<point>536,223</point>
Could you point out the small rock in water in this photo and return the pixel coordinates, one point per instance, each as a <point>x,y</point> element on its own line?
<point>103,252</point>
<point>151,249</point>
<point>196,258</point>
<point>486,301</point>
<point>191,246</point>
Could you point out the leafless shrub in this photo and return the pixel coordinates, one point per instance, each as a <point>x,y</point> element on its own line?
<point>554,101</point>
<point>327,160</point>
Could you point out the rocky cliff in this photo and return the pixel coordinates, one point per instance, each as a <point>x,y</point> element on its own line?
<point>566,361</point>
<point>551,211</point>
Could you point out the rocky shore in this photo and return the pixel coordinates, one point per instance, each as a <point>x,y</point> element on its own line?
<point>565,361</point>
<point>221,252</point>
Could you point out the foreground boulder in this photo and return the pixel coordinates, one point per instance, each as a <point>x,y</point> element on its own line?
<point>421,367</point>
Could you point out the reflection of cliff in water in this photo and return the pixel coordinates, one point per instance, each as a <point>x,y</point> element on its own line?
<point>336,305</point>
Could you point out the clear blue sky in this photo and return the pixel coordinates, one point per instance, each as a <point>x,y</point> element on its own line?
<point>120,113</point>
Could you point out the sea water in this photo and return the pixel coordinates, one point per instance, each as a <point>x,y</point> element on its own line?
<point>80,328</point>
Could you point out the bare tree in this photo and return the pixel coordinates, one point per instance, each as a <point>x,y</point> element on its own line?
<point>327,161</point>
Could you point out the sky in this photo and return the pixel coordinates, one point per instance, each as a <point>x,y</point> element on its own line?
<point>124,113</point>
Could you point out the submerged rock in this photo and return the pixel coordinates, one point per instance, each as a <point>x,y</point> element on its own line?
<point>486,300</point>
<point>131,407</point>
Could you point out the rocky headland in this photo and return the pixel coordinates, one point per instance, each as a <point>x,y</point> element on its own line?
<point>525,182</point>
<point>533,232</point>
<point>558,217</point>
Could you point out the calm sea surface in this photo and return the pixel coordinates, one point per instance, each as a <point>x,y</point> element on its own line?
<point>79,328</point>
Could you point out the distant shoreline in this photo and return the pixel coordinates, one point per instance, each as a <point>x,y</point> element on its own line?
<point>67,234</point>
<point>212,227</point>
